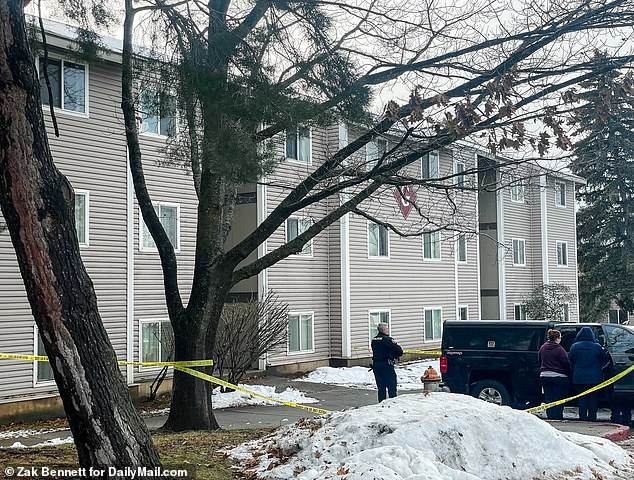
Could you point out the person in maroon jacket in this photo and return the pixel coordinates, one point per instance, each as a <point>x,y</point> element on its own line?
<point>554,370</point>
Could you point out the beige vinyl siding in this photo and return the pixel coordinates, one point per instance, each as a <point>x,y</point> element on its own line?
<point>91,152</point>
<point>172,185</point>
<point>304,282</point>
<point>521,221</point>
<point>561,227</point>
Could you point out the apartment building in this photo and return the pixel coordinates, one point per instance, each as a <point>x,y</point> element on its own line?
<point>499,243</point>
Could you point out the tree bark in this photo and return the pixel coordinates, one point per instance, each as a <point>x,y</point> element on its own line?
<point>37,203</point>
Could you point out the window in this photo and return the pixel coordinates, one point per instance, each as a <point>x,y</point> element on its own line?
<point>378,241</point>
<point>294,228</point>
<point>462,248</point>
<point>431,246</point>
<point>43,370</point>
<point>619,340</point>
<point>565,312</point>
<point>81,216</point>
<point>157,341</point>
<point>518,252</point>
<point>433,323</point>
<point>376,317</point>
<point>300,332</point>
<point>169,215</point>
<point>562,254</point>
<point>458,171</point>
<point>298,145</point>
<point>517,191</point>
<point>68,85</point>
<point>617,316</point>
<point>520,311</point>
<point>463,313</point>
<point>374,151</point>
<point>560,194</point>
<point>431,165</point>
<point>158,113</point>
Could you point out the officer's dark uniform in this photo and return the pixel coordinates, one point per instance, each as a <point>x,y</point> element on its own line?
<point>384,352</point>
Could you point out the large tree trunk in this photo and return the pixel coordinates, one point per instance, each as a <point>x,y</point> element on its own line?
<point>37,204</point>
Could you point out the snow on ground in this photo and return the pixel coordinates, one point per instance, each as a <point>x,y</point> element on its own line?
<point>28,433</point>
<point>408,375</point>
<point>439,437</point>
<point>241,399</point>
<point>48,443</point>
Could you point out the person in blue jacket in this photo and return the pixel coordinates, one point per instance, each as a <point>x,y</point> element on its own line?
<point>587,359</point>
<point>385,351</point>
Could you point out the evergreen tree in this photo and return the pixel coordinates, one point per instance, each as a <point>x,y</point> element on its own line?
<point>605,158</point>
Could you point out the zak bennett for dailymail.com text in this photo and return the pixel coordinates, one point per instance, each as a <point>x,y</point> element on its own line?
<point>127,472</point>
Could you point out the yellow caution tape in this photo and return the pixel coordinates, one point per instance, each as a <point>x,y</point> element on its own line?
<point>218,381</point>
<point>609,381</point>
<point>435,353</point>
<point>185,363</point>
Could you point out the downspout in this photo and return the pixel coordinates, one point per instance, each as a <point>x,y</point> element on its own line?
<point>477,227</point>
<point>344,241</point>
<point>501,254</point>
<point>129,272</point>
<point>544,227</point>
<point>261,213</point>
<point>574,209</point>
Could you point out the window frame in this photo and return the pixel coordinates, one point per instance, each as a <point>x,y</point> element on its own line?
<point>377,257</point>
<point>86,194</point>
<point>560,194</point>
<point>463,237</point>
<point>518,191</point>
<point>46,107</point>
<point>426,158</point>
<point>309,244</point>
<point>288,343</point>
<point>370,164</point>
<point>566,311</point>
<point>564,250</point>
<point>149,134</point>
<point>521,307</point>
<point>523,251</point>
<point>432,258</point>
<point>459,177</point>
<point>379,311</point>
<point>310,146</point>
<point>143,228</point>
<point>466,309</point>
<point>36,351</point>
<point>434,338</point>
<point>148,320</point>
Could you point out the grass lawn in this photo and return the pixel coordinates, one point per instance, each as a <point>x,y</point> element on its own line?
<point>190,450</point>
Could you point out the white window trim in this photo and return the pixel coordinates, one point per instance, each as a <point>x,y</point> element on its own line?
<point>466,250</point>
<point>146,320</point>
<point>460,307</point>
<point>561,265</point>
<point>86,194</point>
<point>376,142</point>
<point>36,383</point>
<point>389,322</point>
<point>566,304</point>
<point>300,254</point>
<point>425,158</point>
<point>557,204</point>
<point>177,247</point>
<point>455,171</point>
<point>435,339</point>
<point>46,108</point>
<point>302,352</point>
<point>439,259</point>
<point>519,305</point>
<point>310,148</point>
<point>524,251</point>
<point>367,234</point>
<point>161,136</point>
<point>518,184</point>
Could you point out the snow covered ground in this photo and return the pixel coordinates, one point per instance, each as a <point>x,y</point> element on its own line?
<point>408,375</point>
<point>28,433</point>
<point>48,443</point>
<point>438,437</point>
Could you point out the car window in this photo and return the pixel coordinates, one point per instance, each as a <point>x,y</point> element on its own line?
<point>499,338</point>
<point>619,339</point>
<point>568,335</point>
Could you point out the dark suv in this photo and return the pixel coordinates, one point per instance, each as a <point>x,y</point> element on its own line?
<point>497,360</point>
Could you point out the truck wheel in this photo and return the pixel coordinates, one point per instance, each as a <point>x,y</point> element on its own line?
<point>491,391</point>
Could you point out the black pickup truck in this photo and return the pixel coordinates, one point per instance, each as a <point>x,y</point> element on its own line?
<point>497,360</point>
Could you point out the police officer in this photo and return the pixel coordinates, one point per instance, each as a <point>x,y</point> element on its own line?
<point>384,352</point>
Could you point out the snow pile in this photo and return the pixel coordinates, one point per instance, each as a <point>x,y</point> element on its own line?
<point>240,399</point>
<point>48,443</point>
<point>28,433</point>
<point>408,375</point>
<point>439,437</point>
